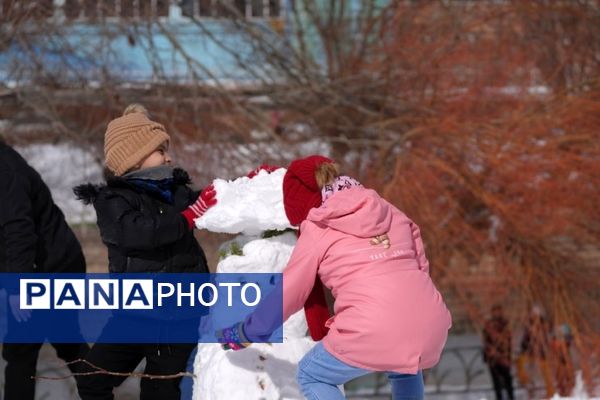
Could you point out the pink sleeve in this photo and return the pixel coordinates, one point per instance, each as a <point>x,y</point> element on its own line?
<point>298,280</point>
<point>300,273</point>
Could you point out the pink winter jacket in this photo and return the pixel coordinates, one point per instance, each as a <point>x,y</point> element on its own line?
<point>388,314</point>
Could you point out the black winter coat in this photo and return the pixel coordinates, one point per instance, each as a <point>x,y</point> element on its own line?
<point>143,232</point>
<point>34,236</point>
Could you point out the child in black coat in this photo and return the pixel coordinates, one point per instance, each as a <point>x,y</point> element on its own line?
<point>146,215</point>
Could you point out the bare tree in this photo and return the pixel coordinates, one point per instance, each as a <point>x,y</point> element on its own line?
<point>479,119</point>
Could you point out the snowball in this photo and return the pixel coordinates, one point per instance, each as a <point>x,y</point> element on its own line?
<point>247,205</point>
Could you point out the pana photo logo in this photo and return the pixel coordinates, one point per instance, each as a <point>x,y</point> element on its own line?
<point>133,294</point>
<point>140,307</point>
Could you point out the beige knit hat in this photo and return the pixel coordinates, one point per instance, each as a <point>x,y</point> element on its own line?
<point>130,139</point>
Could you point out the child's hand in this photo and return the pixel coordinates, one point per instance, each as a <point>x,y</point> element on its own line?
<point>381,239</point>
<point>207,199</point>
<point>20,315</point>
<point>233,337</point>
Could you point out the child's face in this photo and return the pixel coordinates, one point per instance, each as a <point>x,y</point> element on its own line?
<point>160,156</point>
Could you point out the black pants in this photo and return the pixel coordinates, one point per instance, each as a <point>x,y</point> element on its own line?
<point>164,359</point>
<point>502,379</point>
<point>21,361</point>
<point>21,358</point>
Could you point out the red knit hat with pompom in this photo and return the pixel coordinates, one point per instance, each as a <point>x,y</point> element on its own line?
<point>300,189</point>
<point>301,193</point>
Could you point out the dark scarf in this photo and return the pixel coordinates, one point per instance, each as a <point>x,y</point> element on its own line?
<point>154,180</point>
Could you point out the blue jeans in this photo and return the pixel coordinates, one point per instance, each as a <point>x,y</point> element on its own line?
<point>320,373</point>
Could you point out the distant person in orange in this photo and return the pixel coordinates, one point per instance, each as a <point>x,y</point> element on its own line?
<point>497,352</point>
<point>535,349</point>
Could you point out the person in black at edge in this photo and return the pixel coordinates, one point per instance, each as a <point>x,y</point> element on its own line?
<point>497,352</point>
<point>146,213</point>
<point>34,238</point>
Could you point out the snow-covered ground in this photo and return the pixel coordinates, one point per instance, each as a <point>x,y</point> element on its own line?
<point>63,166</point>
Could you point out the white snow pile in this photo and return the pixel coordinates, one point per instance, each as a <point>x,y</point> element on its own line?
<point>259,255</point>
<point>263,371</point>
<point>247,205</point>
<point>579,392</point>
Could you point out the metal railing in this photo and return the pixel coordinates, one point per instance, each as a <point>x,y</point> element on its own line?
<point>461,370</point>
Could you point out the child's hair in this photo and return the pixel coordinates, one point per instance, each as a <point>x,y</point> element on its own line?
<point>108,174</point>
<point>136,108</point>
<point>326,173</point>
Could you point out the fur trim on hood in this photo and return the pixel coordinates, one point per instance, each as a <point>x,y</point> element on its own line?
<point>88,192</point>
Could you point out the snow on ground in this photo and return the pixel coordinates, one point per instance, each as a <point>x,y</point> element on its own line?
<point>579,392</point>
<point>63,166</point>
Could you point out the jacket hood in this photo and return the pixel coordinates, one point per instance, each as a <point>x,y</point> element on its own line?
<point>88,192</point>
<point>358,211</point>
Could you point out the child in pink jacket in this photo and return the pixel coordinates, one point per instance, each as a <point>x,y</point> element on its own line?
<point>389,316</point>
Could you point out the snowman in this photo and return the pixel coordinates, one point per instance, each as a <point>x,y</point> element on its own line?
<point>253,209</point>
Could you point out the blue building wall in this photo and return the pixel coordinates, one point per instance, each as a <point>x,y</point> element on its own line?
<point>143,52</point>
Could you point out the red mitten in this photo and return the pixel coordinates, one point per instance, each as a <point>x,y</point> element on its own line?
<point>316,311</point>
<point>207,199</point>
<point>263,167</point>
